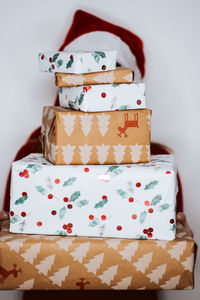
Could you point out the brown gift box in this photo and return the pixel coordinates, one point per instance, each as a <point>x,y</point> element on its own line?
<point>66,263</point>
<point>119,75</point>
<point>114,137</point>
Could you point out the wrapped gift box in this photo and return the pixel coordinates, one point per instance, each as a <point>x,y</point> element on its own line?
<point>119,75</point>
<point>30,262</point>
<point>75,137</point>
<point>77,62</point>
<point>103,97</point>
<point>123,201</point>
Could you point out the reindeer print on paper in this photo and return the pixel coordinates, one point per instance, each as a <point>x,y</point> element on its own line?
<point>82,283</point>
<point>128,123</point>
<point>5,273</point>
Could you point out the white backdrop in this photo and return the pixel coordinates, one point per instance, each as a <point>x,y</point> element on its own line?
<point>170,31</point>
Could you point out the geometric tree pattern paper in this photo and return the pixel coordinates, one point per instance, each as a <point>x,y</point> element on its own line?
<point>129,251</point>
<point>85,152</point>
<point>123,284</point>
<point>108,274</point>
<point>16,244</point>
<point>171,283</point>
<point>60,276</point>
<point>69,122</point>
<point>157,273</point>
<point>95,263</point>
<point>119,152</point>
<point>86,122</point>
<point>46,264</point>
<point>103,122</point>
<point>102,153</point>
<point>177,251</point>
<point>31,253</point>
<point>80,252</point>
<point>27,285</point>
<point>135,152</point>
<point>143,262</point>
<point>68,153</point>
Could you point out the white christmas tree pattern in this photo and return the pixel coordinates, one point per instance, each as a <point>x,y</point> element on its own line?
<point>85,152</point>
<point>148,151</point>
<point>136,152</point>
<point>123,284</point>
<point>95,263</point>
<point>104,77</point>
<point>50,114</point>
<point>53,151</point>
<point>177,250</point>
<point>119,152</point>
<point>108,275</point>
<point>129,251</point>
<point>75,80</point>
<point>4,238</point>
<point>31,253</point>
<point>86,123</point>
<point>68,153</point>
<point>128,77</point>
<point>103,123</point>
<point>189,263</point>
<point>113,243</point>
<point>16,244</point>
<point>65,243</point>
<point>26,285</point>
<point>143,262</point>
<point>102,153</point>
<point>149,121</point>
<point>59,276</point>
<point>162,244</point>
<point>171,283</point>
<point>69,122</point>
<point>80,252</point>
<point>46,264</point>
<point>157,273</point>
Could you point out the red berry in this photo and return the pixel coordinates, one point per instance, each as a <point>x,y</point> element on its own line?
<point>172,221</point>
<point>53,212</point>
<point>24,194</point>
<point>23,214</point>
<point>69,230</point>
<point>53,67</point>
<point>25,171</point>
<point>44,164</point>
<point>26,175</point>
<point>86,170</point>
<point>103,67</point>
<point>150,210</point>
<point>119,227</point>
<point>131,199</point>
<point>145,231</point>
<point>103,217</point>
<point>167,172</point>
<point>12,213</point>
<point>50,196</point>
<point>138,184</point>
<point>65,199</point>
<point>139,102</point>
<point>57,181</point>
<point>42,56</point>
<point>147,203</point>
<point>65,226</point>
<point>70,225</point>
<point>150,229</point>
<point>69,206</point>
<point>91,217</point>
<point>71,57</point>
<point>50,59</point>
<point>149,235</point>
<point>39,223</point>
<point>104,197</point>
<point>103,95</point>
<point>134,217</point>
<point>21,174</point>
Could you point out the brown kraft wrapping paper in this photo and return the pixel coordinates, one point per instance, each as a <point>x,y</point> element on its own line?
<point>75,137</point>
<point>34,262</point>
<point>119,75</point>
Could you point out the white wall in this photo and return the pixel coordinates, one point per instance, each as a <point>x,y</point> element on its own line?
<point>170,31</point>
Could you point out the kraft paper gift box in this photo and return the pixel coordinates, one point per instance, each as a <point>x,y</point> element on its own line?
<point>103,97</point>
<point>122,201</point>
<point>75,137</point>
<point>119,75</point>
<point>34,262</point>
<point>77,62</point>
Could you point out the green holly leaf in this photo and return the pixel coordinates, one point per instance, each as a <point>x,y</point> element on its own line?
<point>172,227</point>
<point>142,217</point>
<point>14,219</point>
<point>112,168</point>
<point>115,84</point>
<point>69,181</point>
<point>21,200</point>
<point>123,107</point>
<point>60,89</point>
<point>151,185</point>
<point>101,54</point>
<point>62,212</point>
<point>59,63</point>
<point>94,222</point>
<point>122,193</point>
<point>74,196</point>
<point>82,203</point>
<point>163,207</point>
<point>34,168</point>
<point>80,100</point>
<point>141,237</point>
<point>156,200</point>
<point>61,232</point>
<point>69,63</point>
<point>50,70</point>
<point>101,203</point>
<point>40,189</point>
<point>55,57</point>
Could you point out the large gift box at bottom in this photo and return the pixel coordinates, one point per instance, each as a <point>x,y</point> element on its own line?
<point>54,262</point>
<point>125,201</point>
<point>75,137</point>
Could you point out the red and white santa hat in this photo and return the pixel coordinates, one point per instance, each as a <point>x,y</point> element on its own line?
<point>89,33</point>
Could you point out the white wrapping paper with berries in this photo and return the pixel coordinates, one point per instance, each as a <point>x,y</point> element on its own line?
<point>77,62</point>
<point>123,201</point>
<point>103,97</point>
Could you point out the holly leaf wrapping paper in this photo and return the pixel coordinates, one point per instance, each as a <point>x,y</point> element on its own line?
<point>41,189</point>
<point>69,63</point>
<point>122,193</point>
<point>163,207</point>
<point>62,212</point>
<point>101,203</point>
<point>14,219</point>
<point>55,56</point>
<point>151,185</point>
<point>94,222</point>
<point>69,181</point>
<point>59,63</point>
<point>74,196</point>
<point>143,216</point>
<point>82,203</point>
<point>21,200</point>
<point>156,200</point>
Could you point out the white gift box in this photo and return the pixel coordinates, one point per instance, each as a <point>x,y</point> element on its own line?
<point>103,97</point>
<point>77,62</point>
<point>122,201</point>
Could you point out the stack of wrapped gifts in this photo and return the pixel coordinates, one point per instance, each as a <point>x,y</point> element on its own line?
<point>99,212</point>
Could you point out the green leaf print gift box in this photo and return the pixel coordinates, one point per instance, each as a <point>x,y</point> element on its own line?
<point>122,201</point>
